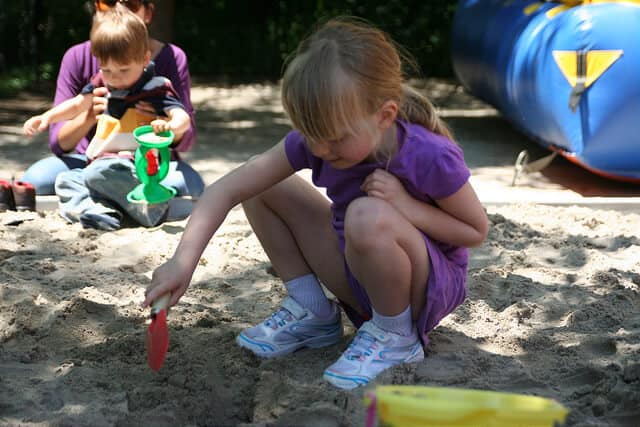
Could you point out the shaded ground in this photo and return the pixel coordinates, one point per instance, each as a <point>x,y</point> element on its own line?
<point>553,306</point>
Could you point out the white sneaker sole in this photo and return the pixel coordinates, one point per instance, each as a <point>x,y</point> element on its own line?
<point>349,382</point>
<point>266,350</point>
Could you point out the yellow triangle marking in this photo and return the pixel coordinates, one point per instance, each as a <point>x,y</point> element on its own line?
<point>598,61</point>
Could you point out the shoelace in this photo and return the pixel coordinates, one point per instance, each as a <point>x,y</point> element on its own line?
<point>279,318</point>
<point>361,346</point>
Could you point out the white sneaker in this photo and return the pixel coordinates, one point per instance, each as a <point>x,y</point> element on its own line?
<point>291,328</point>
<point>371,352</point>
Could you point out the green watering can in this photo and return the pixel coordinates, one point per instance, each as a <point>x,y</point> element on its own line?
<point>152,165</point>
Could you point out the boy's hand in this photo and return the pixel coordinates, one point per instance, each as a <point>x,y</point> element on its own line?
<point>35,124</point>
<point>99,102</point>
<point>160,125</point>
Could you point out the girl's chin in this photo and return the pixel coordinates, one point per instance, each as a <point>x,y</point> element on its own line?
<point>337,164</point>
<point>341,164</point>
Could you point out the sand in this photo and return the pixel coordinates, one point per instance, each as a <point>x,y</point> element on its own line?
<point>553,307</point>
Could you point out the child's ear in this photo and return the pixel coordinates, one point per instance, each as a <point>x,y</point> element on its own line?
<point>387,114</point>
<point>147,57</point>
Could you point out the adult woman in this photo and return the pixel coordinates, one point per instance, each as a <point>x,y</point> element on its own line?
<point>68,140</point>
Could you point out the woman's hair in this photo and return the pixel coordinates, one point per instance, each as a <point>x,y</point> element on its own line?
<point>119,35</point>
<point>92,6</point>
<point>344,72</point>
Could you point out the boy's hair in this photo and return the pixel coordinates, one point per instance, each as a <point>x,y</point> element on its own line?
<point>119,35</point>
<point>345,71</point>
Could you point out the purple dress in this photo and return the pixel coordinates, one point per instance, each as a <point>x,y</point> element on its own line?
<point>78,66</point>
<point>430,167</point>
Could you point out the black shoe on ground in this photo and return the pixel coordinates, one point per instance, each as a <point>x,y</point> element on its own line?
<point>24,196</point>
<point>6,196</point>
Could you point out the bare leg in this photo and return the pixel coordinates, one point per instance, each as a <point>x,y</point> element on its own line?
<point>293,223</point>
<point>387,255</point>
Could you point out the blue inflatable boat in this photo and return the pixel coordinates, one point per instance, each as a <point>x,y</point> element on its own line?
<point>567,73</point>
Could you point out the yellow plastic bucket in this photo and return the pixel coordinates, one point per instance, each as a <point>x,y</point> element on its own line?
<point>416,406</point>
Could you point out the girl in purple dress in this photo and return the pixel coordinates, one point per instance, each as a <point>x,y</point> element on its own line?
<point>390,244</point>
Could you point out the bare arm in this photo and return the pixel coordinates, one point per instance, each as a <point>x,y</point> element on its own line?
<point>75,72</point>
<point>75,129</point>
<point>179,122</point>
<point>244,182</point>
<point>458,219</point>
<point>63,111</point>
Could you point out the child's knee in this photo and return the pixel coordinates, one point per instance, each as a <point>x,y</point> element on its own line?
<point>367,221</point>
<point>116,171</point>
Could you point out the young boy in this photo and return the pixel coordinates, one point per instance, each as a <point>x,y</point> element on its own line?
<point>95,195</point>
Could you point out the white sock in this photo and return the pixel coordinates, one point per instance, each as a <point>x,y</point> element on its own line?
<point>401,324</point>
<point>307,291</point>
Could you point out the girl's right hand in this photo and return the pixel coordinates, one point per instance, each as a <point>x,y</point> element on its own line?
<point>169,277</point>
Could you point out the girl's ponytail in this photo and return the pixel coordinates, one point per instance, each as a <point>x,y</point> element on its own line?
<point>416,108</point>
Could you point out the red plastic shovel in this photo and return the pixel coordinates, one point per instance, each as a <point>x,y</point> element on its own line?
<point>157,333</point>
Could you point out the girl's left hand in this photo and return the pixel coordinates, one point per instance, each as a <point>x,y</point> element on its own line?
<point>383,185</point>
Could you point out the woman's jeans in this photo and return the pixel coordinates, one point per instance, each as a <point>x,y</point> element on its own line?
<point>96,195</point>
<point>42,174</point>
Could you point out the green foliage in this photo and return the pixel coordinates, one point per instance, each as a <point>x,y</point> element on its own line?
<point>38,32</point>
<point>14,82</point>
<point>18,79</point>
<point>245,38</point>
<point>239,39</point>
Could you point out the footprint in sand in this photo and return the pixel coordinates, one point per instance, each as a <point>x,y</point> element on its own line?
<point>599,346</point>
<point>80,321</point>
<point>5,254</point>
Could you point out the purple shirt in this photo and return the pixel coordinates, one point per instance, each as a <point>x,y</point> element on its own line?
<point>430,167</point>
<point>78,66</point>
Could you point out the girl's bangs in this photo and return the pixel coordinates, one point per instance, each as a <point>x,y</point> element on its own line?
<point>322,104</point>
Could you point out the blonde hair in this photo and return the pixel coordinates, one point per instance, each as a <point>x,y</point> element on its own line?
<point>119,35</point>
<point>344,72</point>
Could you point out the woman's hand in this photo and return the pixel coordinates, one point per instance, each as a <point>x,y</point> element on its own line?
<point>383,185</point>
<point>169,277</point>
